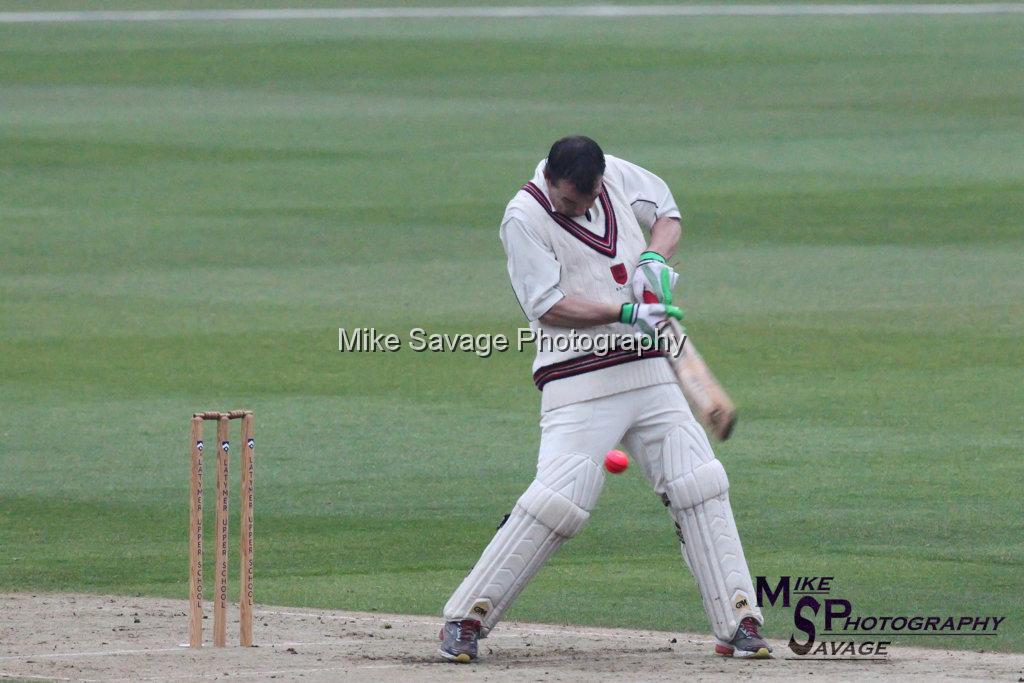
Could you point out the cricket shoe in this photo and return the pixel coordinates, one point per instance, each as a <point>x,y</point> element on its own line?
<point>746,643</point>
<point>458,640</point>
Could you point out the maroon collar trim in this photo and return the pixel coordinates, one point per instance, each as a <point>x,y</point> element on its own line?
<point>605,244</point>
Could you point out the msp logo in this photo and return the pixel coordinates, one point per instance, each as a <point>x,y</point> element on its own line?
<point>846,634</point>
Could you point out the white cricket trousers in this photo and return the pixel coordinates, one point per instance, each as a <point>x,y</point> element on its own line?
<point>658,430</point>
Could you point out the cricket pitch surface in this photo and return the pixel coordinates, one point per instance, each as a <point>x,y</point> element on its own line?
<point>87,637</point>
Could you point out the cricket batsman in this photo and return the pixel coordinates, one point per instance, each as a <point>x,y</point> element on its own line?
<point>585,239</point>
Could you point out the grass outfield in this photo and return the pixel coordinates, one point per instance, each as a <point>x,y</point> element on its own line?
<point>72,5</point>
<point>189,211</point>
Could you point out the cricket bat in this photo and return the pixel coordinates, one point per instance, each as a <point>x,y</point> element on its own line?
<point>706,397</point>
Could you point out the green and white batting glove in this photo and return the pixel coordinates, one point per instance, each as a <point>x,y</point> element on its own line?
<point>654,275</point>
<point>648,318</point>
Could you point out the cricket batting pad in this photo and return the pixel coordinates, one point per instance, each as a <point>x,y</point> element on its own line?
<point>698,497</point>
<point>553,509</point>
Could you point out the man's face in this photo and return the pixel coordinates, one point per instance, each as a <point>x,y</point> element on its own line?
<point>569,201</point>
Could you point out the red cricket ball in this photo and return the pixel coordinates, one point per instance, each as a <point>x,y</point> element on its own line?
<point>616,462</point>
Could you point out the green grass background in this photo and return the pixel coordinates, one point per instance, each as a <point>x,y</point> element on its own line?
<point>189,211</point>
<point>73,5</point>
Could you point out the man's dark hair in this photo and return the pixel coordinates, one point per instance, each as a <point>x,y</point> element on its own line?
<point>578,159</point>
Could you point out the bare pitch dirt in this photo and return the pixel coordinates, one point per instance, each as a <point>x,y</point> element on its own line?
<point>84,637</point>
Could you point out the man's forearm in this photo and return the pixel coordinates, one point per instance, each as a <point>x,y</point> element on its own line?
<point>665,234</point>
<point>576,311</point>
